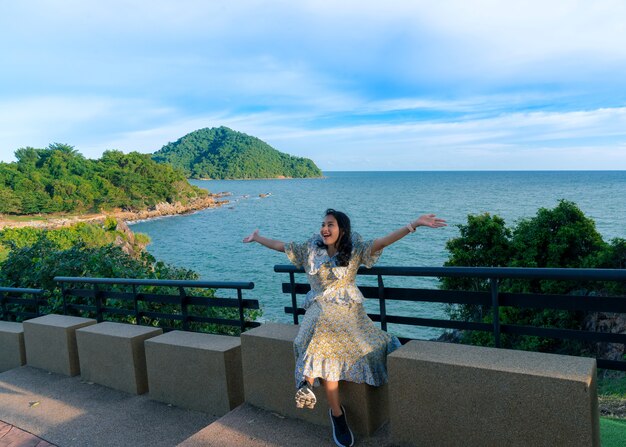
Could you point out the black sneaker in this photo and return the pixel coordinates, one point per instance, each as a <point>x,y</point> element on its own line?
<point>305,397</point>
<point>341,432</point>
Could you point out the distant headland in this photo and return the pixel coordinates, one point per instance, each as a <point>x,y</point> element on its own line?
<point>222,153</point>
<point>57,185</point>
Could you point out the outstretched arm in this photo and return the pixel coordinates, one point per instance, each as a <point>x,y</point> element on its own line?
<point>426,220</point>
<point>266,242</point>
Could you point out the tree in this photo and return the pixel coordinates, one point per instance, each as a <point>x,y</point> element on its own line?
<point>58,178</point>
<point>560,237</point>
<point>9,202</point>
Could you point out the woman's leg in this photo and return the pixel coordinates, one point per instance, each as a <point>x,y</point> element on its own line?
<point>341,432</point>
<point>332,395</point>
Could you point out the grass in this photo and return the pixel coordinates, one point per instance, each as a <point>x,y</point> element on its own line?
<point>611,385</point>
<point>612,432</point>
<point>612,389</point>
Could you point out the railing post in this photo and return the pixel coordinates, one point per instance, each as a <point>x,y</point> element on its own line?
<point>3,300</point>
<point>64,295</point>
<point>136,304</point>
<point>383,305</point>
<point>496,310</point>
<point>183,308</point>
<point>37,304</point>
<point>294,301</point>
<point>98,302</point>
<point>242,322</point>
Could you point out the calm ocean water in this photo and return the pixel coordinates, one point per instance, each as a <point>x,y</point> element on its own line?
<point>209,241</point>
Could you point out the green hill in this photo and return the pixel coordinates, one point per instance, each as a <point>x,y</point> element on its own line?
<point>222,153</point>
<point>59,179</point>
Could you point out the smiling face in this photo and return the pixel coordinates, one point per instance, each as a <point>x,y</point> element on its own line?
<point>330,231</point>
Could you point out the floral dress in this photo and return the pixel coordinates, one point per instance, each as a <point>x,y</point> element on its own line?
<point>337,340</point>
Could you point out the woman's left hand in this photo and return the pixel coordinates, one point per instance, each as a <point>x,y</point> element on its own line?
<point>429,220</point>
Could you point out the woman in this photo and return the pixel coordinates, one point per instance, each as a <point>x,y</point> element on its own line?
<point>337,340</point>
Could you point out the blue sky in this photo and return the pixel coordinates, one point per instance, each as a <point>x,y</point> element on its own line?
<point>353,85</point>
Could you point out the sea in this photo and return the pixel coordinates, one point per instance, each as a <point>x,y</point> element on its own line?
<point>210,241</point>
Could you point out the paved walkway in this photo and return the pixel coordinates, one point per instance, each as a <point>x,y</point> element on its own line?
<point>68,412</point>
<point>11,436</point>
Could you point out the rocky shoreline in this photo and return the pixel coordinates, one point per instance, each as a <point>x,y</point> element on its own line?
<point>159,210</point>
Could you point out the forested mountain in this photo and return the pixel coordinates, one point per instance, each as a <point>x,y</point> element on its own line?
<point>221,153</point>
<point>59,179</point>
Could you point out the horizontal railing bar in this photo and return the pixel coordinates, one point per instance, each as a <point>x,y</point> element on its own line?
<point>568,334</point>
<point>571,334</point>
<point>432,322</point>
<point>22,314</point>
<point>157,282</point>
<point>21,290</point>
<point>156,298</point>
<point>119,311</point>
<point>83,307</point>
<point>84,293</point>
<point>214,320</point>
<point>21,301</point>
<point>151,314</point>
<point>487,272</point>
<point>300,288</point>
<point>289,310</point>
<point>165,299</point>
<point>611,364</point>
<point>428,295</point>
<point>406,294</point>
<point>564,302</point>
<point>222,302</point>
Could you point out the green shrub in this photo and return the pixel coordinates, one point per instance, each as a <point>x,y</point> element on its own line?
<point>560,237</point>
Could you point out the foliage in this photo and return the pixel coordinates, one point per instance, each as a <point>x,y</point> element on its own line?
<point>59,180</point>
<point>611,385</point>
<point>91,235</point>
<point>37,256</point>
<point>560,237</point>
<point>221,153</point>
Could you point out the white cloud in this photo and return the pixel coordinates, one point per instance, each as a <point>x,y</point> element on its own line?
<point>79,121</point>
<point>347,82</point>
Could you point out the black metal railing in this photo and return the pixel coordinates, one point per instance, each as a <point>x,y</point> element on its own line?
<point>493,298</point>
<point>17,304</point>
<point>144,307</point>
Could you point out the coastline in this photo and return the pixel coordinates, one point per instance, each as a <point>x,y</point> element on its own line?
<point>280,177</point>
<point>159,210</point>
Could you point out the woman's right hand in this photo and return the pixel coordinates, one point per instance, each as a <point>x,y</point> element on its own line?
<point>251,238</point>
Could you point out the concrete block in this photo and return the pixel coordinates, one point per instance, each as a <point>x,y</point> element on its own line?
<point>444,394</point>
<point>12,350</point>
<point>199,372</point>
<point>268,376</point>
<point>50,342</point>
<point>113,355</point>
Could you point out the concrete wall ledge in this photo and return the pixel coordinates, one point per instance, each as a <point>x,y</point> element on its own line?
<point>269,383</point>
<point>113,355</point>
<point>12,349</point>
<point>444,394</point>
<point>50,342</point>
<point>196,371</point>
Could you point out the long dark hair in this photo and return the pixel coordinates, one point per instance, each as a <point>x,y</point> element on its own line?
<point>344,245</point>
